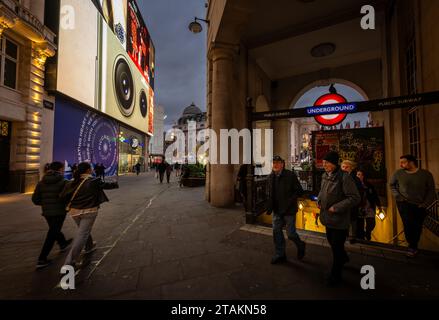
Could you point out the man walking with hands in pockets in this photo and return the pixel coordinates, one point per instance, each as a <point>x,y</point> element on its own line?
<point>284,190</point>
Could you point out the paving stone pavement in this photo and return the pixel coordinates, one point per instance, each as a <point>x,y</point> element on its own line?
<point>159,241</point>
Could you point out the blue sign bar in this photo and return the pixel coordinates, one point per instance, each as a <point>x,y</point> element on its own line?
<point>332,109</point>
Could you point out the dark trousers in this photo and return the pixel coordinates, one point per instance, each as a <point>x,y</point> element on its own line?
<point>53,235</point>
<point>365,227</point>
<point>336,239</point>
<point>168,176</point>
<point>413,219</point>
<point>161,174</point>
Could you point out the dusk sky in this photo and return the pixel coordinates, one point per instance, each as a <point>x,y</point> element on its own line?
<point>180,54</point>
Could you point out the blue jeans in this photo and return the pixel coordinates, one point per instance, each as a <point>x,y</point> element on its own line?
<point>278,236</point>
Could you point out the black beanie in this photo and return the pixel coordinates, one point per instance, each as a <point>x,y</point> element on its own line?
<point>332,157</point>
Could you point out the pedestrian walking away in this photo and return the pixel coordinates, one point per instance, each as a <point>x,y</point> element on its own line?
<point>162,170</point>
<point>84,196</point>
<point>354,234</point>
<point>284,190</point>
<point>168,171</point>
<point>47,195</point>
<point>414,191</point>
<point>370,201</point>
<point>338,195</point>
<point>137,166</point>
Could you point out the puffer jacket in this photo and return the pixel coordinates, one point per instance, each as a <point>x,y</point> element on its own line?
<point>90,195</point>
<point>339,191</point>
<point>47,194</point>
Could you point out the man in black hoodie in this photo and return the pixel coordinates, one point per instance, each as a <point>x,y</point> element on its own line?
<point>47,195</point>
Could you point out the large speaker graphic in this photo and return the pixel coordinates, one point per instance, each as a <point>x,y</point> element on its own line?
<point>124,93</point>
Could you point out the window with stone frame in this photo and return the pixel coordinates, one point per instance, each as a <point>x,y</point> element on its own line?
<point>8,63</point>
<point>414,125</point>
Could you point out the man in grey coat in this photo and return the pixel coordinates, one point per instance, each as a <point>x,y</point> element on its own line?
<point>338,195</point>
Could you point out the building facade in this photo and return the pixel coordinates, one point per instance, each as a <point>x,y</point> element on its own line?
<point>302,45</point>
<point>190,114</point>
<point>26,109</point>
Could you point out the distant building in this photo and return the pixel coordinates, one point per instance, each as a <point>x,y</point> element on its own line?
<point>191,113</point>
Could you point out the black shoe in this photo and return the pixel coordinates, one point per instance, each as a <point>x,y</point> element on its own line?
<point>333,282</point>
<point>301,250</point>
<point>65,246</point>
<point>43,263</point>
<point>276,260</point>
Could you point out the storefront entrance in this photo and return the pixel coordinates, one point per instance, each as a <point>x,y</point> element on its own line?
<point>5,148</point>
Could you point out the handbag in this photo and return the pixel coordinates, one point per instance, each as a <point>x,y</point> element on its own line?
<point>74,195</point>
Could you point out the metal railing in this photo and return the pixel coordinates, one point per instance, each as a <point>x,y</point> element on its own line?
<point>432,220</point>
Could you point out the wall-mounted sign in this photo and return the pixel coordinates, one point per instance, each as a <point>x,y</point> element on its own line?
<point>134,143</point>
<point>48,104</point>
<point>326,115</point>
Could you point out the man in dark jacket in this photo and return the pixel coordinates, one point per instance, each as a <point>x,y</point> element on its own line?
<point>284,189</point>
<point>47,195</point>
<point>338,195</point>
<point>161,169</point>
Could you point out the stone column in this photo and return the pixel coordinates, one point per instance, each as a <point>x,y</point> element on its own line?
<point>221,179</point>
<point>282,140</point>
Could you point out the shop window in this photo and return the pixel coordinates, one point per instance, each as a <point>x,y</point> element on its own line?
<point>8,63</point>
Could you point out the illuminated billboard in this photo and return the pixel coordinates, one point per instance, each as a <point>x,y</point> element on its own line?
<point>106,61</point>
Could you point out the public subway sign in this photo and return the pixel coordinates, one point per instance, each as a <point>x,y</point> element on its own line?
<point>420,99</point>
<point>331,109</point>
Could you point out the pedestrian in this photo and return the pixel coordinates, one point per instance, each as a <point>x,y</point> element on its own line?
<point>103,172</point>
<point>74,168</point>
<point>284,190</point>
<point>338,195</point>
<point>349,167</point>
<point>47,195</point>
<point>156,166</point>
<point>414,191</point>
<point>84,196</point>
<point>168,171</point>
<point>370,201</point>
<point>162,170</point>
<point>137,166</point>
<point>46,167</point>
<point>177,168</point>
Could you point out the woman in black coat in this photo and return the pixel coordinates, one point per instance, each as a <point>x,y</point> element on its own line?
<point>369,203</point>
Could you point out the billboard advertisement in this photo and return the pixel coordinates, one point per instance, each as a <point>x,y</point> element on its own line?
<point>106,61</point>
<point>82,135</point>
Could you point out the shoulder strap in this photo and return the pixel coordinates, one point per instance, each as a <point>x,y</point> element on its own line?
<point>75,193</point>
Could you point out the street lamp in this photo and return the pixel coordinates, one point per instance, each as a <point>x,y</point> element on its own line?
<point>195,26</point>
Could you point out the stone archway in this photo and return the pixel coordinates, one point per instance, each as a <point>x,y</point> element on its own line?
<point>301,128</point>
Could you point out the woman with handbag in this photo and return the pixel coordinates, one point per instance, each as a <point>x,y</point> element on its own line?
<point>84,196</point>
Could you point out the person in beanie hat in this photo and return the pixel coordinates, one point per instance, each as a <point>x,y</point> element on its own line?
<point>284,189</point>
<point>338,195</point>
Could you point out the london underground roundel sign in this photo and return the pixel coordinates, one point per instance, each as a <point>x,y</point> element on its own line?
<point>330,119</point>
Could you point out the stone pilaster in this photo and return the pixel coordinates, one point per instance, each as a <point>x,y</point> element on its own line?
<point>221,180</point>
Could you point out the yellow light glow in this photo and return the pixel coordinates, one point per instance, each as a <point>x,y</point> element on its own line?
<point>34,141</point>
<point>35,134</point>
<point>381,214</point>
